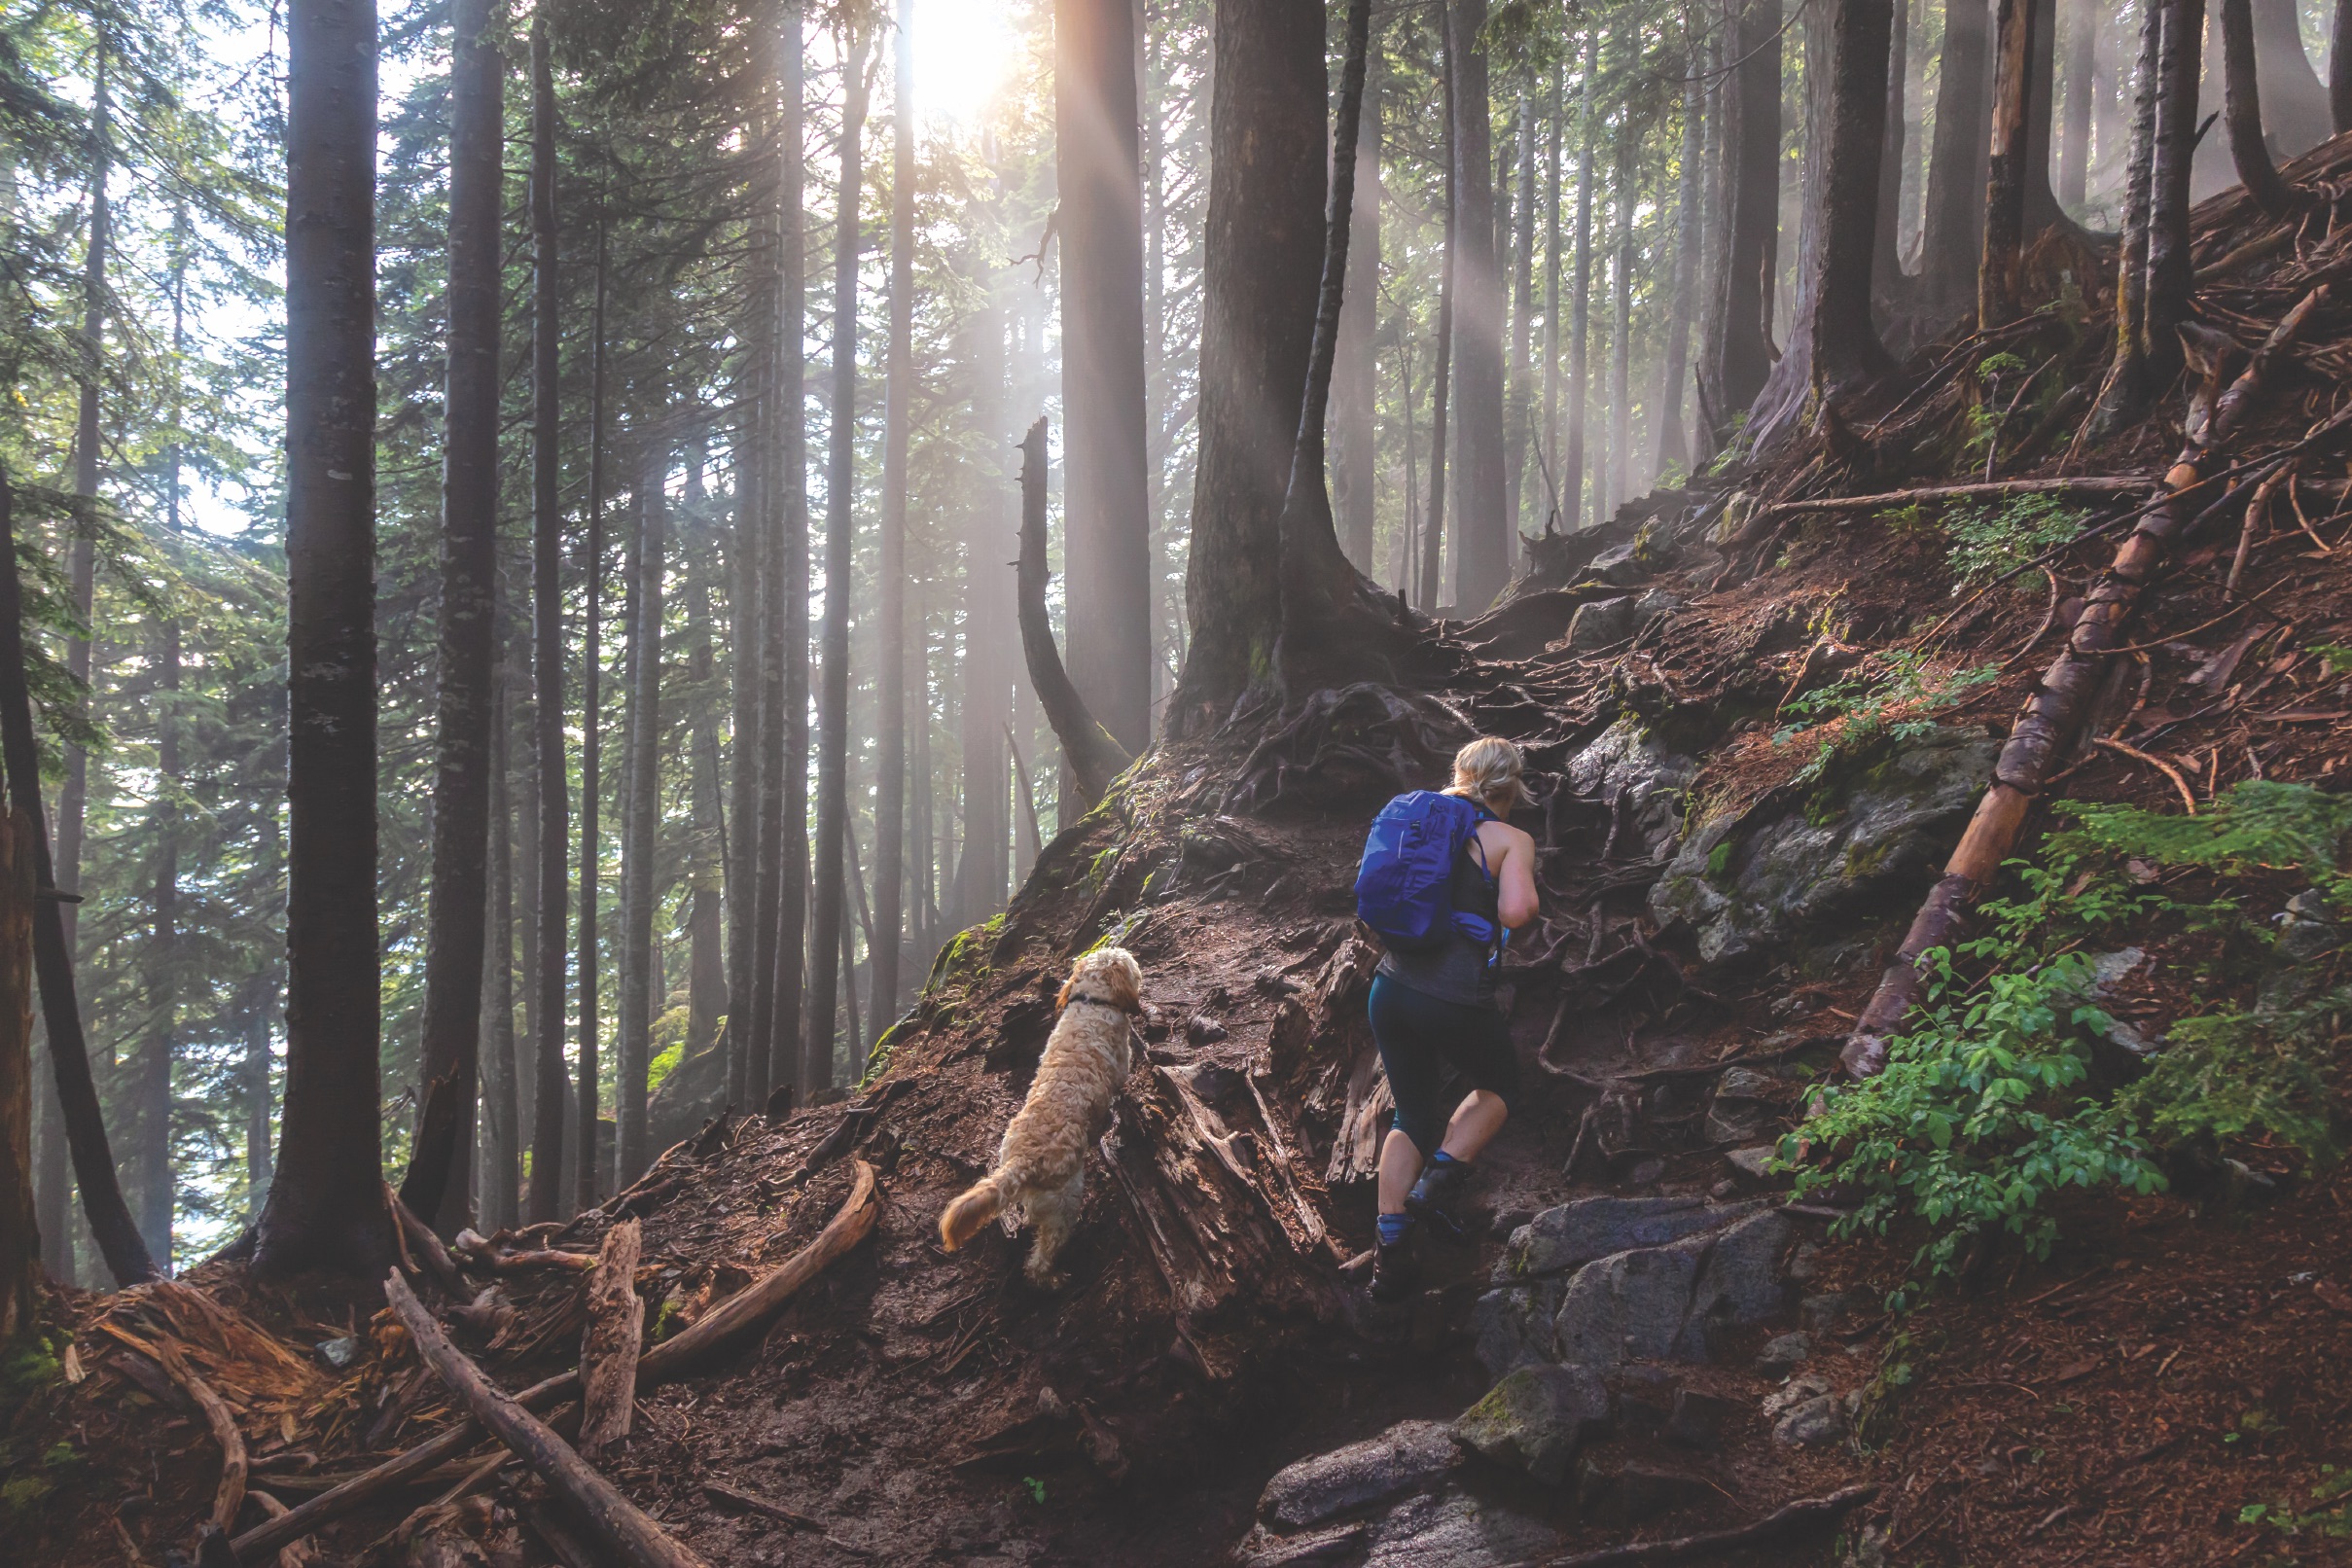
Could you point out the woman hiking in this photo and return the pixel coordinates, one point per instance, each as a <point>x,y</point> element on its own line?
<point>1445,879</point>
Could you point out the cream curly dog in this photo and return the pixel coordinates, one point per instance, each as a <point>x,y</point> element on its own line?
<point>1041,1167</point>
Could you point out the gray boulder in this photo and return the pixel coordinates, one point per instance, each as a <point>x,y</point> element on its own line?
<point>1627,757</point>
<point>1601,624</point>
<point>1742,1284</point>
<point>1263,1548</point>
<point>1511,1327</point>
<point>1798,871</point>
<point>1812,1424</point>
<point>1783,1354</point>
<point>1536,1419</point>
<point>1455,1530</point>
<point>1630,1306</point>
<point>1574,1234</point>
<point>1410,1456</point>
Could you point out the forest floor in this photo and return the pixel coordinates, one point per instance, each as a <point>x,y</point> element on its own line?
<point>2179,1359</point>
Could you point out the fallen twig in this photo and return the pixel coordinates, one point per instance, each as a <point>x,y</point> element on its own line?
<point>622,1527</point>
<point>1809,1514</point>
<point>230,1495</point>
<point>1995,491</point>
<point>2188,794</point>
<point>715,1331</point>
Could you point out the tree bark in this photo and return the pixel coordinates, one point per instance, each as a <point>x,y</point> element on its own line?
<point>1742,354</point>
<point>1481,562</point>
<point>1672,452</point>
<point>111,1225</point>
<point>833,700</point>
<point>758,672</point>
<point>1355,377</point>
<point>612,1342</point>
<point>1954,227</point>
<point>1093,754</point>
<point>641,992</point>
<point>325,1208</point>
<point>2171,270</point>
<point>2125,390</point>
<point>1846,351</point>
<point>2242,114</point>
<point>1433,522</point>
<point>1521,409</point>
<point>588,968</point>
<point>705,913</point>
<point>987,708</point>
<point>500,1079</point>
<point>1579,332</point>
<point>1106,502</point>
<point>151,1174</point>
<point>788,752</point>
<point>2340,67</point>
<point>1549,439</point>
<point>1623,195</point>
<point>2073,130</point>
<point>1887,279</point>
<point>82,570</point>
<point>464,679</point>
<point>547,647</point>
<point>1999,289</point>
<point>20,1230</point>
<point>2297,112</point>
<point>1263,245</point>
<point>890,624</point>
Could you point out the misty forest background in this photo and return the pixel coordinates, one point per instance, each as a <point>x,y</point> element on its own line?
<point>1543,320</point>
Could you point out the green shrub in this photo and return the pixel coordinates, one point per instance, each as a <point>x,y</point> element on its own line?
<point>1888,696</point>
<point>1987,540</point>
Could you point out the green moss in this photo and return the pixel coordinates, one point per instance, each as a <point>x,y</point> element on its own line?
<point>22,1494</point>
<point>661,1066</point>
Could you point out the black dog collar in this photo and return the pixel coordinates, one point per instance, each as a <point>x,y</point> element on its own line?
<point>1102,1001</point>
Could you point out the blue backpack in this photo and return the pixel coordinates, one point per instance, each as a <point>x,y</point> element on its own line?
<point>1404,883</point>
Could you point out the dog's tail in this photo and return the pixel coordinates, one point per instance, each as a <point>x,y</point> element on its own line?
<point>962,1219</point>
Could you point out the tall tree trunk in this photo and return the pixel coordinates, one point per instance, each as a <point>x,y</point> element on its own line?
<point>111,1225</point>
<point>1522,333</point>
<point>20,1231</point>
<point>1579,332</point>
<point>82,572</point>
<point>1666,421</point>
<point>1433,522</point>
<point>464,680</point>
<point>827,932</point>
<point>2242,114</point>
<point>256,1085</point>
<point>1999,288</point>
<point>1845,347</point>
<point>1355,383</point>
<point>1481,562</point>
<point>1098,153</point>
<point>523,750</point>
<point>2171,272</point>
<point>2074,130</point>
<point>546,645</point>
<point>788,752</point>
<point>1742,354</point>
<point>588,966</point>
<point>705,913</point>
<point>1263,246</point>
<point>2297,111</point>
<point>890,624</point>
<point>641,993</point>
<point>751,891</point>
<point>1620,344</point>
<point>501,1142</point>
<point>326,1203</point>
<point>1949,245</point>
<point>1886,258</point>
<point>988,695</point>
<point>1550,444</point>
<point>151,1174</point>
<point>759,671</point>
<point>2125,391</point>
<point>2340,67</point>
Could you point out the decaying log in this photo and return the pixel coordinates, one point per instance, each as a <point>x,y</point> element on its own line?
<point>608,1350</point>
<point>620,1527</point>
<point>2053,719</point>
<point>486,1257</point>
<point>1939,494</point>
<point>717,1331</point>
<point>230,1495</point>
<point>1809,1514</point>
<point>1216,1237</point>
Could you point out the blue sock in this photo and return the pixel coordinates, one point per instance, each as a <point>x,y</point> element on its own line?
<point>1442,1158</point>
<point>1393,1227</point>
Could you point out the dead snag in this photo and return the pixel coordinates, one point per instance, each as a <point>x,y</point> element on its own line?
<point>230,1495</point>
<point>2050,726</point>
<point>620,1527</point>
<point>1094,756</point>
<point>732,1321</point>
<point>609,1348</point>
<point>1807,1514</point>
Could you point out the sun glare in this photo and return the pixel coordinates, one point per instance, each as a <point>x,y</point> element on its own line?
<point>963,52</point>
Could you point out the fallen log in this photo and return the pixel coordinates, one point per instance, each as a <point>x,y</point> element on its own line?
<point>230,1495</point>
<point>620,1527</point>
<point>1998,489</point>
<point>1809,1514</point>
<point>715,1331</point>
<point>2054,713</point>
<point>609,1347</point>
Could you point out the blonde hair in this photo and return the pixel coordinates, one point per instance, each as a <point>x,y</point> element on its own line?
<point>1487,769</point>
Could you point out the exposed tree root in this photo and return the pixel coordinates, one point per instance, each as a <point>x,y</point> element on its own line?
<point>1810,1513</point>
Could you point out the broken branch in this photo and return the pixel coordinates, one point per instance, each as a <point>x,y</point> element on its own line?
<point>230,1495</point>
<point>1809,1514</point>
<point>619,1526</point>
<point>2187,795</point>
<point>608,1348</point>
<point>1934,494</point>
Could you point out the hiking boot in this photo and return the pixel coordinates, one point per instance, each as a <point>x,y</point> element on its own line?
<point>1395,1275</point>
<point>1438,1195</point>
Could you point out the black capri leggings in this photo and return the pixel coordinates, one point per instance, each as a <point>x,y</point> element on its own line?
<point>1419,1037</point>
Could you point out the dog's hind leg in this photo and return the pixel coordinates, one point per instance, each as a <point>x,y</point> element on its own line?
<point>1052,1212</point>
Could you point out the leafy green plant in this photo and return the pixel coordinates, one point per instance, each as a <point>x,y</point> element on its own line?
<point>2336,656</point>
<point>1986,540</point>
<point>2333,1518</point>
<point>1888,696</point>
